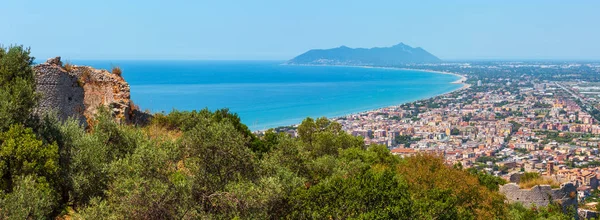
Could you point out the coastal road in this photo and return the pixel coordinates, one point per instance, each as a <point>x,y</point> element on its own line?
<point>572,93</point>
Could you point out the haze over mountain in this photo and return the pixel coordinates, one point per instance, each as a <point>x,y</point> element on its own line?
<point>376,56</point>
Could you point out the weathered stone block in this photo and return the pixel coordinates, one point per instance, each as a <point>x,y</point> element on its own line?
<point>541,195</point>
<point>80,91</point>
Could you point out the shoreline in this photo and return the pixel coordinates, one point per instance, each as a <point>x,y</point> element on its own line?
<point>462,79</point>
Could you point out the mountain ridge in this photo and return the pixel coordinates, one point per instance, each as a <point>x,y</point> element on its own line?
<point>375,56</point>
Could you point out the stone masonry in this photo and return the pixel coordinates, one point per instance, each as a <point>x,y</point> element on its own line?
<point>78,91</point>
<point>60,91</point>
<point>541,195</point>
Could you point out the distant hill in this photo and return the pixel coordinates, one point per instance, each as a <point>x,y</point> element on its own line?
<point>377,56</point>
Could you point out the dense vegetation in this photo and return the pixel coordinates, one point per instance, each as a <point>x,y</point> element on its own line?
<point>208,165</point>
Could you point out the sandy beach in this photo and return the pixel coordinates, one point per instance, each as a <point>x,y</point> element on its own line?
<point>462,79</point>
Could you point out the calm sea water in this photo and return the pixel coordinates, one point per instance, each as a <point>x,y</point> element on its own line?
<point>266,94</point>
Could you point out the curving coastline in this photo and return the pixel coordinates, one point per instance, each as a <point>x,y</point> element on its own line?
<point>462,80</point>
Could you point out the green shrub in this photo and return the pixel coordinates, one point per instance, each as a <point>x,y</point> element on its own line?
<point>17,86</point>
<point>29,199</point>
<point>21,153</point>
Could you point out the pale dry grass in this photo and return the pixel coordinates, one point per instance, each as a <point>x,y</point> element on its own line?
<point>68,67</point>
<point>591,205</point>
<point>86,77</point>
<point>117,71</point>
<point>157,132</point>
<point>539,181</point>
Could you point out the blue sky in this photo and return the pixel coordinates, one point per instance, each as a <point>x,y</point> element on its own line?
<point>281,29</point>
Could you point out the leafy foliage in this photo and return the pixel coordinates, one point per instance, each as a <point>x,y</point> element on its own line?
<point>518,212</point>
<point>211,171</point>
<point>440,191</point>
<point>369,195</point>
<point>29,199</point>
<point>21,153</point>
<point>17,86</point>
<point>489,181</point>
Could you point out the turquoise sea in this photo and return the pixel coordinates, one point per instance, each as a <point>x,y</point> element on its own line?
<point>267,94</point>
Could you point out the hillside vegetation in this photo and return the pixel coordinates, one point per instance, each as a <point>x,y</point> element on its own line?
<point>208,165</point>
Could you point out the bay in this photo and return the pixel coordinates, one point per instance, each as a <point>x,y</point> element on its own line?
<point>266,94</point>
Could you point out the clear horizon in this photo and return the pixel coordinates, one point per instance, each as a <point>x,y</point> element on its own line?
<point>273,30</point>
<point>43,59</point>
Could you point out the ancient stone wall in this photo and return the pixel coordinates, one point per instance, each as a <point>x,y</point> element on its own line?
<point>541,195</point>
<point>102,88</point>
<point>78,91</point>
<point>60,91</point>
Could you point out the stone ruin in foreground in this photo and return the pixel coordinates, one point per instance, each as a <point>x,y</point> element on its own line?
<point>541,195</point>
<point>78,91</point>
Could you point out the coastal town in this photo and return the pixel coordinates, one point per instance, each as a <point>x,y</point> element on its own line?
<point>508,119</point>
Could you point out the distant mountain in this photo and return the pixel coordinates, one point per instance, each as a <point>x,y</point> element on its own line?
<point>377,56</point>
